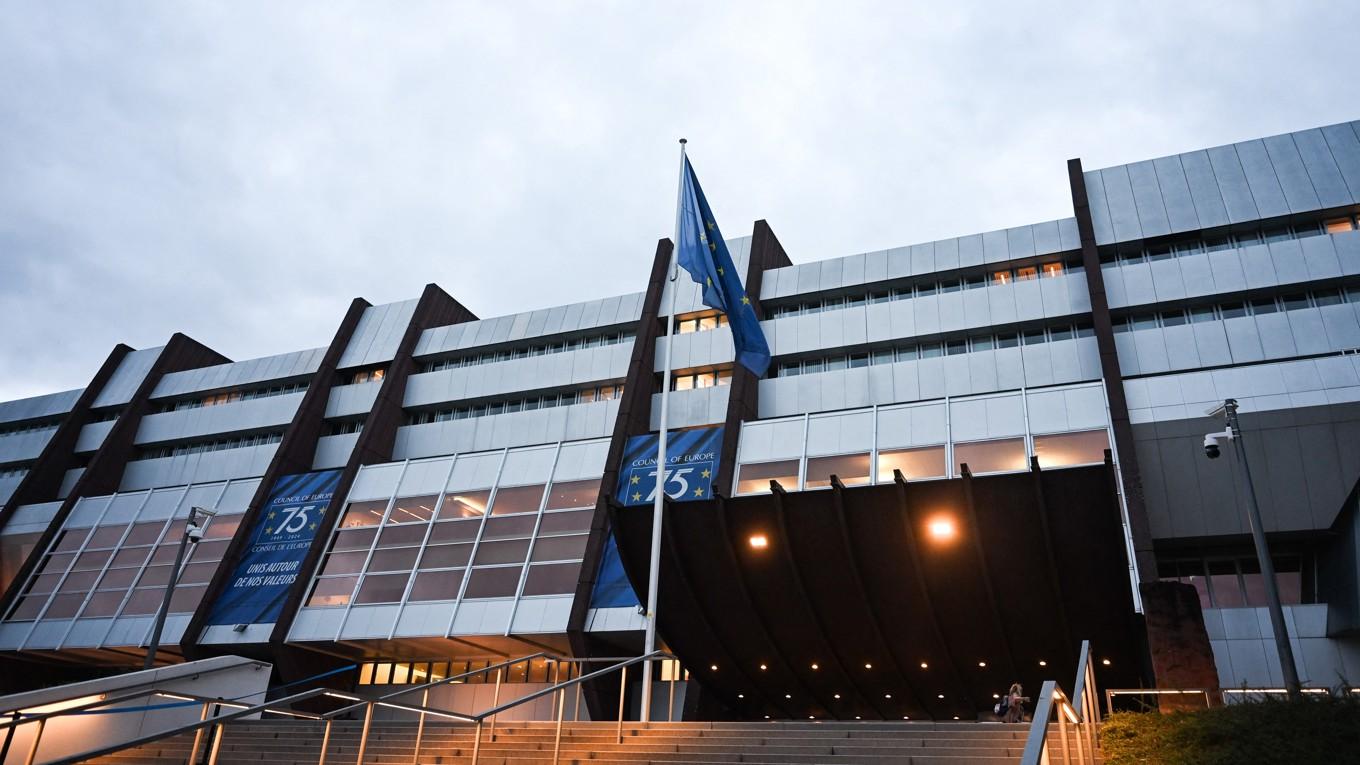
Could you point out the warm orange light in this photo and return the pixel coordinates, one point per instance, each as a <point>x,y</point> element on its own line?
<point>814,666</point>
<point>758,542</point>
<point>867,665</point>
<point>837,696</point>
<point>763,667</point>
<point>1043,663</point>
<point>925,665</point>
<point>1106,662</point>
<point>982,664</point>
<point>62,706</point>
<point>713,667</point>
<point>942,529</point>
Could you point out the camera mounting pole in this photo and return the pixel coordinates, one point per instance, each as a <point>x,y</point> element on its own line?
<point>192,533</point>
<point>1288,669</point>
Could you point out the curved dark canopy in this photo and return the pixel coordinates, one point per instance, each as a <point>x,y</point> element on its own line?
<point>917,600</point>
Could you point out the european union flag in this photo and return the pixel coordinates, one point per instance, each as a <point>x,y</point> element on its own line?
<point>703,253</point>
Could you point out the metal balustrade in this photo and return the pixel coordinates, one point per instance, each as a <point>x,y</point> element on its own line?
<point>1081,711</point>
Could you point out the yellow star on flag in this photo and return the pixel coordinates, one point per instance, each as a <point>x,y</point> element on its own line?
<point>712,225</point>
<point>637,495</point>
<point>313,527</point>
<point>709,279</point>
<point>634,480</point>
<point>706,473</point>
<point>713,246</point>
<point>698,491</point>
<point>745,300</point>
<point>271,515</point>
<point>268,530</point>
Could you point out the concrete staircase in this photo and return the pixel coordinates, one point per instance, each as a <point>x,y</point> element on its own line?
<point>530,743</point>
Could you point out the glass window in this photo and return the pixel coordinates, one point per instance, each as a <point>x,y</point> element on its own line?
<point>991,456</point>
<point>1173,318</point>
<point>884,356</point>
<point>344,563</point>
<point>1145,321</point>
<point>382,588</point>
<point>413,509</point>
<point>464,504</point>
<point>577,520</point>
<point>836,363</point>
<point>812,366</point>
<point>1034,336</point>
<point>552,579</point>
<point>1233,310</point>
<point>1026,273</point>
<point>144,534</point>
<point>956,347</point>
<point>503,551</point>
<point>1295,302</point>
<point>1203,314</point>
<point>1326,297</point>
<point>359,514</point>
<point>1001,277</point>
<point>931,351</point>
<point>186,599</point>
<point>436,585</point>
<point>118,578</point>
<point>399,559</point>
<point>1062,449</point>
<point>517,499</point>
<point>505,527</point>
<point>1158,252</point>
<point>925,290</point>
<point>974,282</point>
<point>789,369</point>
<point>572,494</point>
<point>104,603</point>
<point>493,582</point>
<point>1338,225</point>
<point>851,469</point>
<point>754,478</point>
<point>1059,333</point>
<point>354,539</point>
<point>1217,244</point>
<point>446,556</point>
<point>331,592</point>
<point>1264,306</point>
<point>908,353</point>
<point>915,464</point>
<point>560,548</point>
<point>858,360</point>
<point>950,285</point>
<point>1051,270</point>
<point>1007,341</point>
<point>1223,584</point>
<point>984,343</point>
<point>1281,234</point>
<point>147,600</point>
<point>79,581</point>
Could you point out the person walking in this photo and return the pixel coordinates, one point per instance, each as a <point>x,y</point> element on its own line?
<point>1015,703</point>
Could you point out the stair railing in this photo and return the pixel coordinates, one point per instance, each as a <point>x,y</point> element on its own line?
<point>1081,710</point>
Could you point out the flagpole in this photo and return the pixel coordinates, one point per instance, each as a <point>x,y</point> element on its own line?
<point>659,502</point>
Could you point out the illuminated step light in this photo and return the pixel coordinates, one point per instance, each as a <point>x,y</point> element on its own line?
<point>713,667</point>
<point>788,695</point>
<point>741,695</point>
<point>767,717</point>
<point>906,717</point>
<point>857,717</point>
<point>814,666</point>
<point>763,667</point>
<point>867,665</point>
<point>982,664</point>
<point>1043,663</point>
<point>939,696</point>
<point>758,542</point>
<point>996,695</point>
<point>810,717</point>
<point>837,696</point>
<point>925,665</point>
<point>887,695</point>
<point>1106,662</point>
<point>956,717</point>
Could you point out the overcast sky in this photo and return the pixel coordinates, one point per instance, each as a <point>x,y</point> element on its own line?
<point>240,171</point>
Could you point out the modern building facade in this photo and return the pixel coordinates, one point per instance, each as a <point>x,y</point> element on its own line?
<point>968,455</point>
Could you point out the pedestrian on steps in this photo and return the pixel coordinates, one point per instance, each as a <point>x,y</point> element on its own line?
<point>1015,703</point>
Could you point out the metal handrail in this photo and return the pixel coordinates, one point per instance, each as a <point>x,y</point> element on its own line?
<point>1084,715</point>
<point>369,703</point>
<point>150,682</point>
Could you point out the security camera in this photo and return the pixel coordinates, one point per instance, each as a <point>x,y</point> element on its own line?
<point>194,532</point>
<point>1213,441</point>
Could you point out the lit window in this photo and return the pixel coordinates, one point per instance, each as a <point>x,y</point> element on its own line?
<point>1339,225</point>
<point>991,456</point>
<point>915,464</point>
<point>755,478</point>
<point>1062,449</point>
<point>1001,277</point>
<point>684,382</point>
<point>1026,274</point>
<point>851,469</point>
<point>1052,269</point>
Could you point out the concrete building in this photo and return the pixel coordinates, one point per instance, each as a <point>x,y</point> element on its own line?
<point>1036,395</point>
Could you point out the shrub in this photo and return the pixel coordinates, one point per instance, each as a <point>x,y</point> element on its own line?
<point>1312,730</point>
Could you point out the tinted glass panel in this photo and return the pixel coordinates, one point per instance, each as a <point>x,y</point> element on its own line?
<point>578,520</point>
<point>851,469</point>
<point>553,579</point>
<point>363,514</point>
<point>755,477</point>
<point>332,592</point>
<point>560,548</point>
<point>384,588</point>
<point>991,456</point>
<point>1071,448</point>
<point>507,551</point>
<point>344,563</point>
<point>412,509</point>
<point>455,531</point>
<point>446,556</point>
<point>436,585</point>
<point>517,499</point>
<point>514,526</point>
<point>465,504</point>
<point>572,494</point>
<point>399,559</point>
<point>493,582</point>
<point>914,463</point>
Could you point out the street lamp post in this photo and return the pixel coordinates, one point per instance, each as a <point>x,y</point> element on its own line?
<point>1288,670</point>
<point>192,533</point>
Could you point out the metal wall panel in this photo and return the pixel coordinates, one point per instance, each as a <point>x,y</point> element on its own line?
<point>1147,197</point>
<point>1232,184</point>
<point>1291,173</point>
<point>125,380</point>
<point>38,406</point>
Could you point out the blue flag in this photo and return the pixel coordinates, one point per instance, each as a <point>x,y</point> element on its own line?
<point>703,253</point>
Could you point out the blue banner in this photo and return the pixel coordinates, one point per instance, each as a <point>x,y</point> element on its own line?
<point>612,589</point>
<point>692,463</point>
<point>283,532</point>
